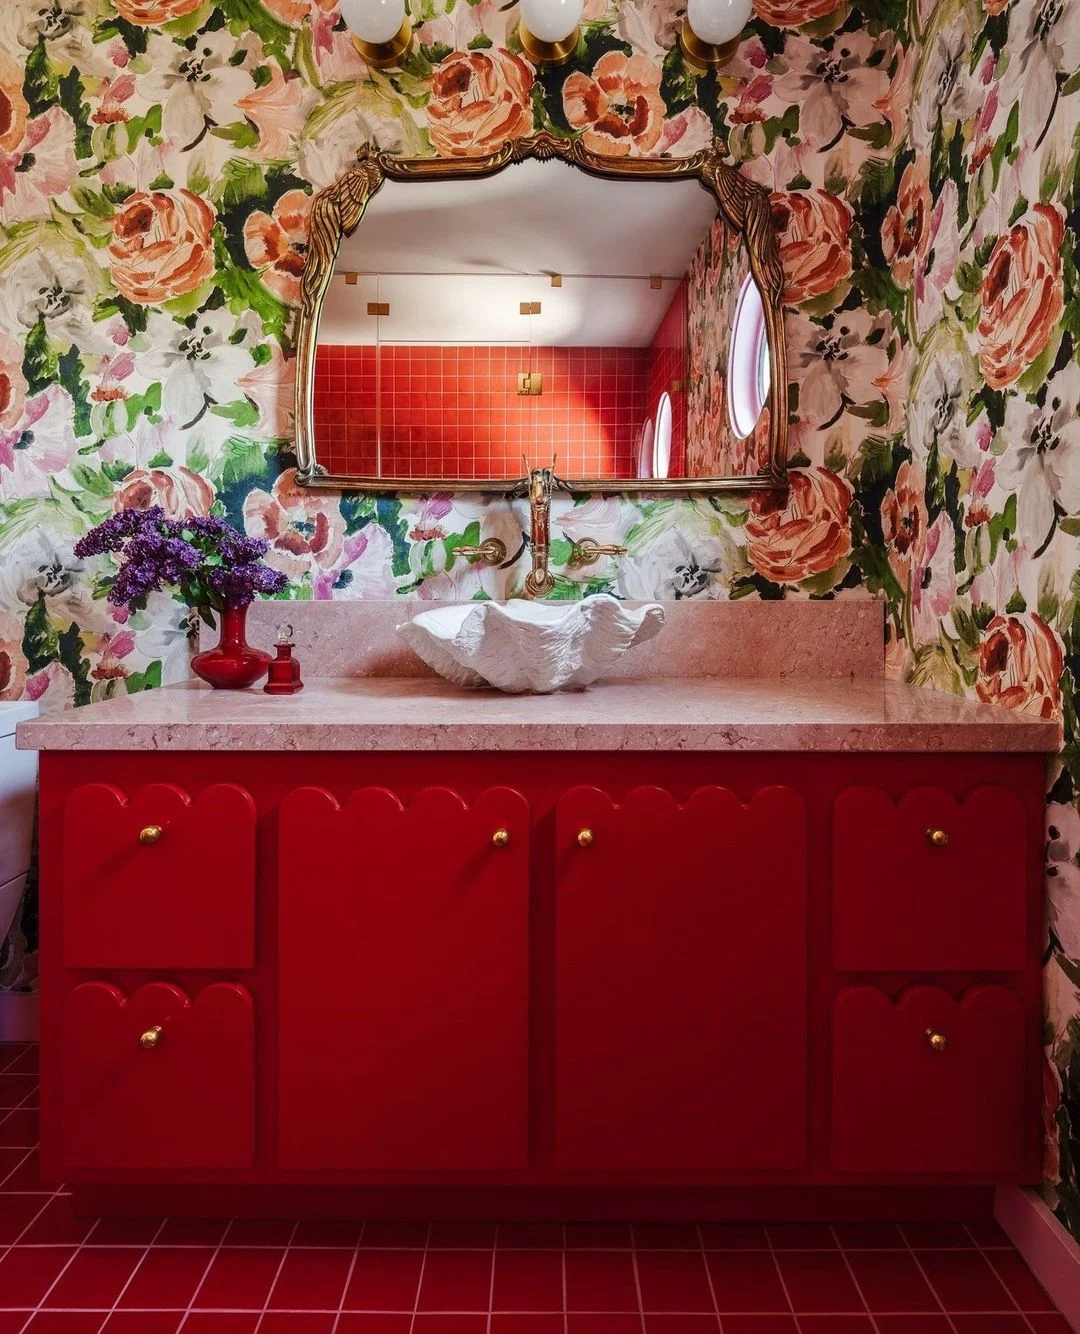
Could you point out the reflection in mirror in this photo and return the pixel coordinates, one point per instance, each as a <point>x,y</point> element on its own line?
<point>475,328</point>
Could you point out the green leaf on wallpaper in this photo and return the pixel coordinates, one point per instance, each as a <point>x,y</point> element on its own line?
<point>469,538</point>
<point>241,412</point>
<point>1016,604</point>
<point>72,102</point>
<point>245,290</point>
<point>70,652</point>
<point>678,83</point>
<point>93,480</point>
<point>245,16</point>
<point>480,42</point>
<point>40,638</point>
<point>41,87</point>
<point>1005,142</point>
<point>148,680</point>
<point>878,179</point>
<point>242,134</point>
<point>1070,525</point>
<point>40,362</point>
<point>785,125</point>
<point>968,276</point>
<point>388,513</point>
<point>143,127</point>
<point>1018,210</point>
<point>69,373</point>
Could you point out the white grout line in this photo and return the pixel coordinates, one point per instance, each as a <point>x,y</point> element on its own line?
<point>708,1275</point>
<point>209,1266</point>
<point>420,1281</point>
<point>854,1279</point>
<point>348,1279</point>
<point>783,1281</point>
<point>277,1275</point>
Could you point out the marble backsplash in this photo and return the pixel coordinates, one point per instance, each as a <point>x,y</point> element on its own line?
<point>751,638</point>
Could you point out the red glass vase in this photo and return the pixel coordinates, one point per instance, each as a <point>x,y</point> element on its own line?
<point>234,664</point>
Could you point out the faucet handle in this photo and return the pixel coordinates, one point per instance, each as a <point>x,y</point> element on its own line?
<point>491,552</point>
<point>588,552</point>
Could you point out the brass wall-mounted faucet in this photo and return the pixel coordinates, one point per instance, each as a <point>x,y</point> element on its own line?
<point>539,582</point>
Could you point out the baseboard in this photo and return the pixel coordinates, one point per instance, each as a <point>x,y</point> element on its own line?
<point>1051,1253</point>
<point>18,1016</point>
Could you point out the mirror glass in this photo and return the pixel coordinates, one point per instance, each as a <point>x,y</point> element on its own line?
<point>475,328</point>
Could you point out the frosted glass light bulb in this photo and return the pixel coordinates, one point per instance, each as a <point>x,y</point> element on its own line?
<point>715,21</point>
<point>551,20</point>
<point>374,21</point>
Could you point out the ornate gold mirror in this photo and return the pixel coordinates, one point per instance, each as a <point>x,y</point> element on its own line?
<point>541,303</point>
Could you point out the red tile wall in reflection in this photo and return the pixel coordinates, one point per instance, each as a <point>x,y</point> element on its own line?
<point>667,369</point>
<point>455,411</point>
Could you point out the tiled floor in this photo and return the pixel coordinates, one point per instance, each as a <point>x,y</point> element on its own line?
<point>59,1275</point>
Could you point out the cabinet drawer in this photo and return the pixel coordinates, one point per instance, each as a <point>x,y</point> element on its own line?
<point>929,1084</point>
<point>162,880</point>
<point>158,1080</point>
<point>929,883</point>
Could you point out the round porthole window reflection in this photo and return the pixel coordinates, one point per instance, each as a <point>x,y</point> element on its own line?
<point>662,437</point>
<point>645,450</point>
<point>748,361</point>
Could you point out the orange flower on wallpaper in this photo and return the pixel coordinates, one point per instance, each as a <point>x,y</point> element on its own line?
<point>479,99</point>
<point>1022,296</point>
<point>805,532</point>
<point>1020,666</point>
<point>618,107</point>
<point>793,13</point>
<point>161,245</point>
<point>13,109</point>
<point>305,530</point>
<point>12,382</point>
<point>153,13</point>
<point>276,243</point>
<point>178,491</point>
<point>904,519</point>
<point>905,233</point>
<point>815,251</point>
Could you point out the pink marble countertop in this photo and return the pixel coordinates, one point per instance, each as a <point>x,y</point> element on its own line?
<point>406,714</point>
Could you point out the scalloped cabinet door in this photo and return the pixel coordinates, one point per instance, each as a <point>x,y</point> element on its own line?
<point>929,883</point>
<point>404,974</point>
<point>184,900</point>
<point>902,1103</point>
<point>183,1097</point>
<point>681,981</point>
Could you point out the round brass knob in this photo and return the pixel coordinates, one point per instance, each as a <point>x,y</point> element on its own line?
<point>937,1041</point>
<point>150,1038</point>
<point>151,834</point>
<point>500,838</point>
<point>937,838</point>
<point>585,838</point>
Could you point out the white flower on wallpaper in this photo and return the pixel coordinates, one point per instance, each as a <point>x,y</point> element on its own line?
<point>1041,461</point>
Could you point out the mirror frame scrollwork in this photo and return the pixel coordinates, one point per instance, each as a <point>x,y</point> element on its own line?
<point>337,211</point>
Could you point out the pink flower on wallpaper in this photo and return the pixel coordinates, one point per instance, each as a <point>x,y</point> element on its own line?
<point>934,580</point>
<point>935,269</point>
<point>153,13</point>
<point>804,533</point>
<point>1022,296</point>
<point>793,13</point>
<point>110,650</point>
<point>294,12</point>
<point>833,86</point>
<point>12,382</point>
<point>275,244</point>
<point>271,387</point>
<point>905,232</point>
<point>274,110</point>
<point>304,528</point>
<point>904,520</point>
<point>688,132</point>
<point>161,246</point>
<point>836,364</point>
<point>54,685</point>
<point>479,100</point>
<point>41,444</point>
<point>618,108</point>
<point>40,169</point>
<point>178,491</point>
<point>1020,665</point>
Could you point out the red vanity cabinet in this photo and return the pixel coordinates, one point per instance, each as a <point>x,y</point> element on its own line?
<point>570,971</point>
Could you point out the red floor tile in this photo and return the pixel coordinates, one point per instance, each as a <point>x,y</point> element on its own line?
<point>450,1322</point>
<point>16,1089</point>
<point>456,1281</point>
<point>260,1232</point>
<point>518,1322</point>
<point>384,1281</point>
<point>746,1281</point>
<point>914,1324</point>
<point>535,1236</point>
<point>600,1281</point>
<point>666,1237</point>
<point>734,1237</point>
<point>94,1278</point>
<point>26,1063</point>
<point>936,1235</point>
<point>1049,1324</point>
<point>167,1278</point>
<point>239,1279</point>
<point>220,1322</point>
<point>28,1272</point>
<point>891,1281</point>
<point>19,1128</point>
<point>191,1232</point>
<point>759,1324</point>
<point>836,1324</point>
<point>987,1232</point>
<point>801,1236</point>
<point>964,1281</point>
<point>990,1324</point>
<point>590,1322</point>
<point>27,1175</point>
<point>56,1225</point>
<point>65,1322</point>
<point>11,1322</point>
<point>528,1281</point>
<point>668,1322</point>
<point>143,1322</point>
<point>869,1236</point>
<point>396,1235</point>
<point>311,1280</point>
<point>818,1281</point>
<point>370,1322</point>
<point>674,1281</point>
<point>1027,1292</point>
<point>462,1236</point>
<point>10,1158</point>
<point>297,1322</point>
<point>17,1212</point>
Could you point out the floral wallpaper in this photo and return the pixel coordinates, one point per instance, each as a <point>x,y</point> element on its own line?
<point>157,160</point>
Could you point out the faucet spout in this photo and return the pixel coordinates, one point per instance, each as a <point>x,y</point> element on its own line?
<point>540,581</point>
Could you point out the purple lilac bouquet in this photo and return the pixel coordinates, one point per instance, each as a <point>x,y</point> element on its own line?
<point>212,564</point>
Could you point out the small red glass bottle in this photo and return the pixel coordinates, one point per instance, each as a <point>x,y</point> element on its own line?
<point>284,670</point>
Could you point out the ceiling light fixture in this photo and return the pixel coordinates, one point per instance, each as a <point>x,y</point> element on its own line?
<point>548,29</point>
<point>380,29</point>
<point>711,31</point>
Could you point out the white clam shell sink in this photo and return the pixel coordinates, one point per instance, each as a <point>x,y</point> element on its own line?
<point>522,647</point>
